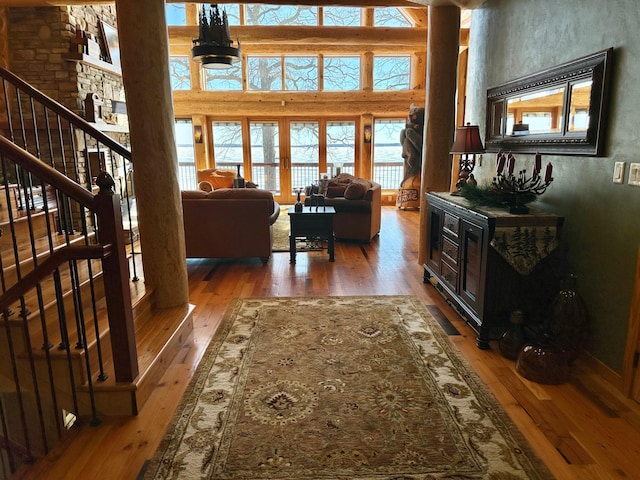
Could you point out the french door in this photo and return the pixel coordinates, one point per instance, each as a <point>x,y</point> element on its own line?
<point>283,155</point>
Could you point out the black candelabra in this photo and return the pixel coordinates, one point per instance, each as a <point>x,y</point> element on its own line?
<point>519,187</point>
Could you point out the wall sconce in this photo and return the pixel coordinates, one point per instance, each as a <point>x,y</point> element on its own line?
<point>367,134</point>
<point>197,133</point>
<point>466,143</point>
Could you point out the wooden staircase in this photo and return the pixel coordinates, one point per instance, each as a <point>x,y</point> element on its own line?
<point>56,372</point>
<point>80,337</point>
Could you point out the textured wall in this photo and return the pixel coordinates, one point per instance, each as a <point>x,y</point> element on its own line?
<point>512,38</point>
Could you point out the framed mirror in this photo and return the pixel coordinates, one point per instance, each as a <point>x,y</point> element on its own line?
<point>559,111</point>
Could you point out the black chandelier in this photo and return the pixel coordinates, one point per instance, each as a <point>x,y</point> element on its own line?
<point>214,47</point>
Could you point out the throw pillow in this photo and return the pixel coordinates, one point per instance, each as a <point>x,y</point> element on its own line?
<point>343,178</point>
<point>218,178</point>
<point>205,186</point>
<point>356,189</point>
<point>335,189</point>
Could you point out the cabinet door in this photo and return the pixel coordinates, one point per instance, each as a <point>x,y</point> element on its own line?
<point>434,247</point>
<point>471,274</point>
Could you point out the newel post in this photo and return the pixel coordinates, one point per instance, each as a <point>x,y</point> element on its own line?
<point>116,281</point>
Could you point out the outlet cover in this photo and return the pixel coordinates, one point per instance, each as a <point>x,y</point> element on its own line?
<point>618,172</point>
<point>634,174</point>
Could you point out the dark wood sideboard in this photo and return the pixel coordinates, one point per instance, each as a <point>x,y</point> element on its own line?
<point>483,285</point>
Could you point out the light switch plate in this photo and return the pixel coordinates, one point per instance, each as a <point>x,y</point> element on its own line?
<point>618,172</point>
<point>634,174</point>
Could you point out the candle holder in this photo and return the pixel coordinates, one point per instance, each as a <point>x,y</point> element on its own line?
<point>519,188</point>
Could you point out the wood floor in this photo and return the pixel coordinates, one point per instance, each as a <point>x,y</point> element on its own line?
<point>583,429</point>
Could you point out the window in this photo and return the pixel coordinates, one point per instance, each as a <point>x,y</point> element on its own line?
<point>265,73</point>
<point>179,73</point>
<point>175,14</point>
<point>258,14</point>
<point>391,73</point>
<point>227,79</point>
<point>341,16</point>
<point>301,73</point>
<point>388,164</point>
<point>539,122</point>
<point>227,145</point>
<point>389,17</point>
<point>341,73</point>
<point>186,156</point>
<point>341,147</point>
<point>233,13</point>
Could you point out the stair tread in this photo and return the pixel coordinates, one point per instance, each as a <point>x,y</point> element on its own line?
<point>154,330</point>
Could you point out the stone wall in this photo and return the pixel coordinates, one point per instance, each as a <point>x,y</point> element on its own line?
<point>39,38</point>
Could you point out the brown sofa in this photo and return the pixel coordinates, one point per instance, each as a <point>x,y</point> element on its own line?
<point>358,205</point>
<point>229,223</point>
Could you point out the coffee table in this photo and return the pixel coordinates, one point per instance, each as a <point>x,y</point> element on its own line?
<point>314,222</point>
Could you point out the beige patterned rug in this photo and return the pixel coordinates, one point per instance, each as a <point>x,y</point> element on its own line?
<point>338,388</point>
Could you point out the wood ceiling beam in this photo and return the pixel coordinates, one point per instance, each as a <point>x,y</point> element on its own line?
<point>288,34</point>
<point>465,4</point>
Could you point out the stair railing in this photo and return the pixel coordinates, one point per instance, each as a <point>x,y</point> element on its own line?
<point>67,142</point>
<point>58,207</point>
<point>40,399</point>
<point>106,207</point>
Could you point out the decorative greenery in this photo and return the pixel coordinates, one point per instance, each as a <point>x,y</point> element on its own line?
<point>493,196</point>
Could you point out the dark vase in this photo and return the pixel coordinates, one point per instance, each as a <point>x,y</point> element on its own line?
<point>238,181</point>
<point>569,325</point>
<point>298,204</point>
<point>513,339</point>
<point>542,362</point>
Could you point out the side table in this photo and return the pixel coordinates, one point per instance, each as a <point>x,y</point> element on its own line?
<point>311,222</point>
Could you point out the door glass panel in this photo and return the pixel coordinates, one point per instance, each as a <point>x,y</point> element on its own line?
<point>227,145</point>
<point>341,147</point>
<point>265,155</point>
<point>186,155</point>
<point>304,153</point>
<point>388,164</point>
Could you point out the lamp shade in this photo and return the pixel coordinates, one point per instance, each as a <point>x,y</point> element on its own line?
<point>467,140</point>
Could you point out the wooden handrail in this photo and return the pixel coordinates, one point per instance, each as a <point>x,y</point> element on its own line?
<point>48,266</point>
<point>65,113</point>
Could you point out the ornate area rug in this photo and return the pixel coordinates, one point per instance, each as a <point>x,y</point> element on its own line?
<point>338,388</point>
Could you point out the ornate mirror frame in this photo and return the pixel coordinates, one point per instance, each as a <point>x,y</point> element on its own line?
<point>549,94</point>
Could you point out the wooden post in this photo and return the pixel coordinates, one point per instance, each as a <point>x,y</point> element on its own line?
<point>116,282</point>
<point>144,56</point>
<point>442,54</point>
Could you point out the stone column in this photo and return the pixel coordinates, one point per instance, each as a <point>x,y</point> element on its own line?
<point>144,45</point>
<point>443,42</point>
